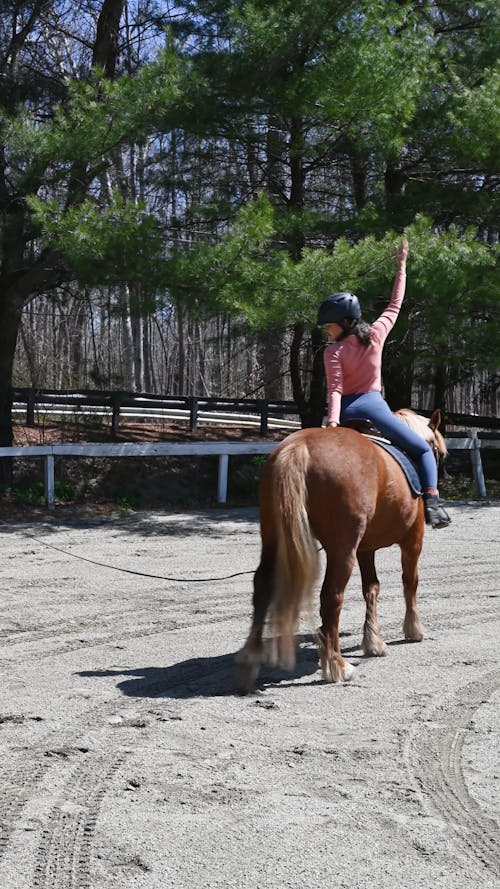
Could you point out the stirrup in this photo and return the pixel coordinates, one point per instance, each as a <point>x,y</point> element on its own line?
<point>435,513</point>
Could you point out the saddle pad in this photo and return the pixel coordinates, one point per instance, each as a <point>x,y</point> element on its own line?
<point>404,461</point>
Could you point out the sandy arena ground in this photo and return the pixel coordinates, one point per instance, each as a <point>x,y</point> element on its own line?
<point>127,760</point>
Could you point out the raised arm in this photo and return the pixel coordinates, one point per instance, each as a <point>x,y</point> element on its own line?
<point>386,321</point>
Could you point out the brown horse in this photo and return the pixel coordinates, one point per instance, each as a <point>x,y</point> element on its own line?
<point>337,487</point>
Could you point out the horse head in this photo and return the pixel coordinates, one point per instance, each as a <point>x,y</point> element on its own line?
<point>427,428</point>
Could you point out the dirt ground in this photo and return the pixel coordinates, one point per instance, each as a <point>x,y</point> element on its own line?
<point>127,759</point>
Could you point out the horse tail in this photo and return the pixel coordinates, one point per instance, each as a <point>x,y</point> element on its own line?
<point>296,564</point>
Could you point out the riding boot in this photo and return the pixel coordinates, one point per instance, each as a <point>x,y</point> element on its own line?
<point>434,511</point>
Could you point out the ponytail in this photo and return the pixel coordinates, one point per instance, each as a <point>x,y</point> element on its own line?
<point>359,329</point>
<point>363,332</point>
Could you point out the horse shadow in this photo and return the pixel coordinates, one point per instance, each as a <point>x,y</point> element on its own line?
<point>208,677</point>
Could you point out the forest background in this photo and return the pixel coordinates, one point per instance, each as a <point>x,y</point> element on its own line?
<point>182,184</point>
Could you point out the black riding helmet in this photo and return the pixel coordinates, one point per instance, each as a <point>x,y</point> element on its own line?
<point>339,307</point>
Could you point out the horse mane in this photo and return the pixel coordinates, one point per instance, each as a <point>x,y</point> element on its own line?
<point>424,427</point>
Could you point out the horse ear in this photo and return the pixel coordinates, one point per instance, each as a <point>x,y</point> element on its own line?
<point>435,420</point>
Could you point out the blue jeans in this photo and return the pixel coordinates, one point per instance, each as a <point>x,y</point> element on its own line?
<point>371,406</point>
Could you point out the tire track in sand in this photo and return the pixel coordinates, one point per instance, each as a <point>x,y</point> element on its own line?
<point>434,757</point>
<point>63,859</point>
<point>64,852</point>
<point>17,790</point>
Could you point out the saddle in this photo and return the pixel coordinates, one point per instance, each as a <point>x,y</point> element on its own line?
<point>366,428</point>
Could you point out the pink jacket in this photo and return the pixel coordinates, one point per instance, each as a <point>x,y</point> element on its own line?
<point>350,367</point>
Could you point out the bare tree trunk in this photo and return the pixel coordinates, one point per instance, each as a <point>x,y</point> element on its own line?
<point>27,334</point>
<point>270,353</point>
<point>394,183</point>
<point>57,366</point>
<point>229,362</point>
<point>358,173</point>
<point>440,385</point>
<point>311,410</point>
<point>149,384</point>
<point>127,369</point>
<point>96,372</point>
<point>105,51</point>
<point>138,346</point>
<point>181,362</point>
<point>311,406</point>
<point>398,373</point>
<point>10,320</point>
<point>76,344</point>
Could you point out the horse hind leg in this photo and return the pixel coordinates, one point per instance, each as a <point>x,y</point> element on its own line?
<point>250,657</point>
<point>372,645</point>
<point>333,666</point>
<point>410,552</point>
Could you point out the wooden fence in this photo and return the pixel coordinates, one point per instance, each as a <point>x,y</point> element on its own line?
<point>143,405</point>
<point>222,449</point>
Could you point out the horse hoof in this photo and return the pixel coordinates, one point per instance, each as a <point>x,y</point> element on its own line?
<point>378,649</point>
<point>413,632</point>
<point>412,628</point>
<point>246,669</point>
<point>348,672</point>
<point>416,637</point>
<point>332,673</point>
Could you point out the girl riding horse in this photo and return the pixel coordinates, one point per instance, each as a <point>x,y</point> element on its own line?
<point>338,489</point>
<point>353,377</point>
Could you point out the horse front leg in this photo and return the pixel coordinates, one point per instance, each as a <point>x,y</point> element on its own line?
<point>333,666</point>
<point>372,645</point>
<point>250,657</point>
<point>410,553</point>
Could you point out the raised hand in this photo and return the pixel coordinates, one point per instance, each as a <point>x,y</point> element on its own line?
<point>402,251</point>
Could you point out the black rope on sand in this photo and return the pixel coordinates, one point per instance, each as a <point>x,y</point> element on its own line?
<point>130,570</point>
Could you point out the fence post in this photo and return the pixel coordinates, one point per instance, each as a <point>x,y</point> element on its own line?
<point>30,408</point>
<point>222,479</point>
<point>49,481</point>
<point>477,466</point>
<point>193,413</point>
<point>264,415</point>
